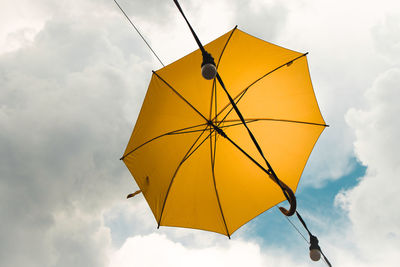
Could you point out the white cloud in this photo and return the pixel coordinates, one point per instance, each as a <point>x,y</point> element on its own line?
<point>387,38</point>
<point>64,101</point>
<point>157,250</point>
<point>20,23</point>
<point>373,230</point>
<point>372,205</point>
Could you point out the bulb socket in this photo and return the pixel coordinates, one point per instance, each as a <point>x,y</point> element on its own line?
<point>208,68</point>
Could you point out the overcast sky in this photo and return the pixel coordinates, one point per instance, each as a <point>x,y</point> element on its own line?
<point>73,75</point>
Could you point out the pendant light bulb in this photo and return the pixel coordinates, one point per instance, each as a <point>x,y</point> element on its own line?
<point>209,71</point>
<point>315,250</point>
<point>315,255</point>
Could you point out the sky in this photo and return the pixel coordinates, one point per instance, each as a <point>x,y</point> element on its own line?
<point>73,76</point>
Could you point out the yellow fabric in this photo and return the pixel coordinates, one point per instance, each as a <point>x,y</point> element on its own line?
<point>192,177</point>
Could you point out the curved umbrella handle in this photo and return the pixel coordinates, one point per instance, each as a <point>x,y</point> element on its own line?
<point>292,201</point>
<point>291,198</point>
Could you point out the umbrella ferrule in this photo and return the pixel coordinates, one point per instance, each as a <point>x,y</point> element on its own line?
<point>217,129</point>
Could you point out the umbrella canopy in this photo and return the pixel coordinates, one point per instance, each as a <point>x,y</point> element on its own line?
<point>193,177</point>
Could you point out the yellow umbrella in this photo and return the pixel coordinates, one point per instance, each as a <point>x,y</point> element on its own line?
<point>193,160</point>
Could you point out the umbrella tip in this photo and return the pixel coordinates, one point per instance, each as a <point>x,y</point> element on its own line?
<point>134,194</point>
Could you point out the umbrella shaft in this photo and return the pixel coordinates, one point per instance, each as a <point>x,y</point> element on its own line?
<point>285,189</point>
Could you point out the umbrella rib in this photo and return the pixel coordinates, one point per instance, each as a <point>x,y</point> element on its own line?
<point>193,131</point>
<point>178,94</point>
<point>223,50</point>
<point>226,115</point>
<point>214,81</point>
<point>213,88</point>
<point>194,150</point>
<point>179,131</point>
<point>187,155</point>
<point>279,120</point>
<point>241,94</point>
<point>213,176</point>
<point>235,124</point>
<point>265,119</point>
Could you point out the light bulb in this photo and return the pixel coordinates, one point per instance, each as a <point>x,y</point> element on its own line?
<point>209,71</point>
<point>315,255</point>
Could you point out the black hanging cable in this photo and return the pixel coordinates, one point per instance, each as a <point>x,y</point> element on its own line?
<point>190,27</point>
<point>297,229</point>
<point>313,240</point>
<point>133,25</point>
